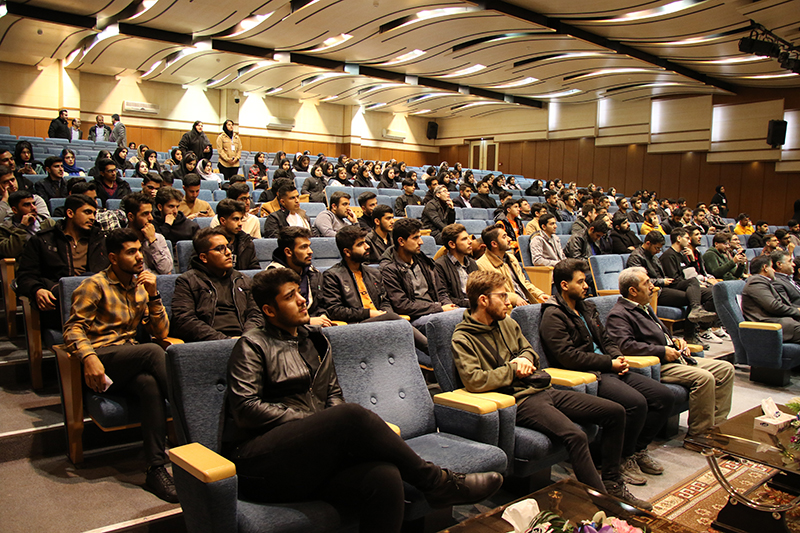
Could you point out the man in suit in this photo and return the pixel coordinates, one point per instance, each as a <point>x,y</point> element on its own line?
<point>762,303</point>
<point>783,264</point>
<point>465,193</point>
<point>118,134</point>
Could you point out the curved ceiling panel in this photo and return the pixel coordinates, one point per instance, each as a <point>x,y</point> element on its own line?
<point>201,17</point>
<point>124,52</point>
<point>30,41</point>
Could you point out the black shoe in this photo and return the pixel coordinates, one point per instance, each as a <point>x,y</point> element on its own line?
<point>160,483</point>
<point>462,489</point>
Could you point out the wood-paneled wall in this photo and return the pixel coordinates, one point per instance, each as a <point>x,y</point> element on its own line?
<point>754,188</point>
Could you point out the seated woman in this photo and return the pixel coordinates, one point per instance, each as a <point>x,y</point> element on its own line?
<point>70,168</point>
<point>102,154</point>
<point>151,158</point>
<point>174,159</point>
<point>314,186</point>
<point>142,170</point>
<point>188,166</point>
<point>362,178</point>
<point>258,171</point>
<point>205,171</point>
<point>25,162</point>
<point>340,178</point>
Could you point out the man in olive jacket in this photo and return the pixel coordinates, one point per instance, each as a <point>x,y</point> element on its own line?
<point>491,354</point>
<point>719,264</point>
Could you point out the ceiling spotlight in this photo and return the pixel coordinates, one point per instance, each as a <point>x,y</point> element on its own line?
<point>759,47</point>
<point>789,63</point>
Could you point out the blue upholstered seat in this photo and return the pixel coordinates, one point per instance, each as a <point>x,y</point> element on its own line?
<point>476,213</point>
<point>473,227</point>
<point>313,209</point>
<point>414,211</point>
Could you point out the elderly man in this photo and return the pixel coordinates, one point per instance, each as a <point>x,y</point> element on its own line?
<point>100,131</point>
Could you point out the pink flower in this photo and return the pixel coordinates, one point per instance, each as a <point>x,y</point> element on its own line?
<point>621,526</point>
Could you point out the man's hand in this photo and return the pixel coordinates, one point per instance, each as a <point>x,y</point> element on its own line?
<point>544,297</point>
<point>351,216</point>
<point>619,365</point>
<point>449,307</point>
<point>169,219</point>
<point>712,281</point>
<point>193,216</point>
<point>4,196</point>
<point>206,148</point>
<point>94,373</point>
<point>374,312</point>
<point>321,321</point>
<point>668,281</point>
<point>450,203</point>
<point>524,367</point>
<point>671,354</point>
<point>28,219</point>
<point>45,300</point>
<point>149,232</point>
<point>148,279</point>
<point>517,300</point>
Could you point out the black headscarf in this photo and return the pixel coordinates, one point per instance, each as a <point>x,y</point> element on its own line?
<point>351,167</point>
<point>262,168</point>
<point>122,164</point>
<point>225,129</point>
<point>277,159</point>
<point>301,163</point>
<point>328,170</point>
<point>21,145</point>
<point>153,166</point>
<point>137,174</point>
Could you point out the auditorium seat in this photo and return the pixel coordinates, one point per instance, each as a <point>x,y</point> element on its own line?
<point>541,276</point>
<point>473,227</point>
<point>414,211</point>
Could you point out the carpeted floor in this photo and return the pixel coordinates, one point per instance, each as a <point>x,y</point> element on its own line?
<point>695,501</point>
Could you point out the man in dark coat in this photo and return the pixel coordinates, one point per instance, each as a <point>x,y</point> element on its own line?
<point>230,213</point>
<point>762,303</point>
<point>59,127</point>
<point>455,266</point>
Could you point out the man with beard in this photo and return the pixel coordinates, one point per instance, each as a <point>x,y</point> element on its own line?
<point>139,212</point>
<point>212,300</point>
<point>380,238</point>
<point>107,309</point>
<point>294,252</point>
<point>9,183</point>
<point>168,220</point>
<point>73,247</point>
<point>498,259</point>
<point>457,264</point>
<point>230,213</point>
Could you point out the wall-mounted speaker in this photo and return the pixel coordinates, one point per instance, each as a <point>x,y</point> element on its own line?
<point>433,130</point>
<point>776,134</point>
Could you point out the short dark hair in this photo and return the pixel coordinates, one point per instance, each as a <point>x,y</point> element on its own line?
<point>742,216</point>
<point>288,235</point>
<point>236,190</point>
<point>201,242</point>
<point>544,219</point>
<point>286,189</point>
<point>451,232</point>
<point>481,282</point>
<point>598,226</point>
<point>430,180</point>
<point>381,211</point>
<point>405,228</point>
<point>780,233</point>
<point>464,186</point>
<point>73,202</point>
<point>347,236</point>
<point>648,212</point>
<point>777,256</point>
<point>102,165</point>
<point>762,223</point>
<point>116,238</point>
<point>134,202</point>
<point>226,207</point>
<point>677,232</point>
<point>550,193</point>
<point>490,234</point>
<point>655,237</point>
<point>50,161</point>
<point>155,178</point>
<point>697,212</point>
<point>191,180</point>
<point>565,270</point>
<point>365,197</point>
<point>336,197</point>
<point>16,197</point>
<point>72,181</point>
<point>792,222</point>
<point>758,264</point>
<point>267,283</point>
<point>722,236</point>
<point>81,187</point>
<point>587,209</point>
<point>408,182</point>
<point>507,203</point>
<point>166,194</point>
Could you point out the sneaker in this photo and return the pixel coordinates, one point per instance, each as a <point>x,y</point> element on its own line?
<point>462,489</point>
<point>698,314</point>
<point>721,334</point>
<point>160,483</point>
<point>630,473</point>
<point>620,491</point>
<point>647,464</point>
<point>697,340</point>
<point>709,337</point>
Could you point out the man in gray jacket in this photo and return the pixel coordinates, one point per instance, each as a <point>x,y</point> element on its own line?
<point>118,134</point>
<point>783,264</point>
<point>336,217</point>
<point>762,303</point>
<point>545,245</point>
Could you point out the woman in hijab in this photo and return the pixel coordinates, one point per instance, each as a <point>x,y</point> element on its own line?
<point>139,155</point>
<point>174,158</point>
<point>102,154</point>
<point>340,178</point>
<point>205,171</point>
<point>70,168</point>
<point>188,166</point>
<point>229,148</point>
<point>458,171</point>
<point>142,170</point>
<point>195,141</point>
<point>25,162</point>
<point>470,179</point>
<point>279,156</point>
<point>535,189</point>
<point>301,163</point>
<point>341,161</point>
<point>362,178</point>
<point>377,170</point>
<point>387,179</point>
<point>722,201</point>
<point>258,171</point>
<point>400,171</point>
<point>328,171</point>
<point>285,171</point>
<point>352,168</point>
<point>151,158</point>
<point>120,158</point>
<point>314,186</point>
<point>320,160</point>
<point>511,184</point>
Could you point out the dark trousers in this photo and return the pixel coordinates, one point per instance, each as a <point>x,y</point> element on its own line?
<point>686,292</point>
<point>647,405</point>
<point>141,370</point>
<point>345,455</point>
<point>555,412</point>
<point>227,172</point>
<point>420,340</point>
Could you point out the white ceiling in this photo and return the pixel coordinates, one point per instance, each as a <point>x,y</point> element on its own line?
<point>449,50</point>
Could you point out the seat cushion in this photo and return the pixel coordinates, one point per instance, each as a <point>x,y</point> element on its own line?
<point>457,453</point>
<point>112,411</point>
<point>670,313</point>
<point>681,395</point>
<point>791,355</point>
<point>302,517</point>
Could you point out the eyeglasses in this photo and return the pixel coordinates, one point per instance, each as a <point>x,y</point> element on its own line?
<point>222,248</point>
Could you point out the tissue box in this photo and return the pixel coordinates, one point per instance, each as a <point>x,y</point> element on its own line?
<point>772,425</point>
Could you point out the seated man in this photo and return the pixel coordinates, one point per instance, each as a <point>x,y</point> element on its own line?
<point>784,266</point>
<point>9,184</point>
<point>482,200</point>
<point>759,236</point>
<point>286,418</point>
<point>457,264</point>
<point>169,220</point>
<point>108,184</point>
<point>289,213</point>
<point>24,224</point>
<point>537,210</point>
<point>574,338</point>
<point>438,213</point>
<point>699,219</point>
<point>720,263</point>
<point>588,244</point>
<point>771,244</point>
<point>623,239</point>
<point>337,216</point>
<point>510,367</point>
<point>651,223</point>
<point>212,300</point>
<point>294,252</point>
<point>743,225</point>
<point>53,185</point>
<point>498,259</point>
<point>587,216</point>
<point>762,303</point>
<point>191,205</point>
<point>634,327</point>
<point>407,198</point>
<point>139,212</point>
<point>240,192</point>
<point>107,310</point>
<point>74,246</point>
<point>151,184</point>
<point>380,238</point>
<point>411,283</point>
<point>230,213</point>
<point>545,245</point>
<point>77,185</point>
<point>464,194</point>
<point>634,216</point>
<point>367,201</point>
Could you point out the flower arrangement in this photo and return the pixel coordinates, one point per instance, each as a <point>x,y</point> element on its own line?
<point>549,522</point>
<point>794,405</point>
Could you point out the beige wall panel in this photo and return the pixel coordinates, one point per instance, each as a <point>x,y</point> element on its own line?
<point>526,123</point>
<point>571,121</point>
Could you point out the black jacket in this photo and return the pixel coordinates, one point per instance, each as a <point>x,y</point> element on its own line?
<point>244,252</point>
<point>315,188</point>
<point>436,216</point>
<point>402,201</point>
<point>651,263</point>
<point>46,259</point>
<point>786,288</point>
<point>635,331</point>
<point>361,181</point>
<point>59,129</point>
<point>483,201</point>
<point>377,246</point>
<point>567,341</point>
<point>459,202</point>
<point>448,275</point>
<point>270,383</point>
<point>400,286</point>
<point>195,142</point>
<point>48,189</point>
<point>634,216</point>
<point>277,220</point>
<point>582,247</point>
<point>366,222</point>
<point>673,263</point>
<point>620,240</point>
<point>181,229</point>
<point>385,182</point>
<point>553,210</point>
<point>340,295</point>
<point>123,190</point>
<point>756,240</point>
<point>194,305</point>
<point>579,227</point>
<point>314,302</point>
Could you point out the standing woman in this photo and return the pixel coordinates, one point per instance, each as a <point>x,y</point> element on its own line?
<point>721,200</point>
<point>195,141</point>
<point>229,147</point>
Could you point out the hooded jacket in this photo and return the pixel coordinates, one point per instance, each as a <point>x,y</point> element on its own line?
<point>194,304</point>
<point>311,276</point>
<point>482,355</point>
<point>569,343</point>
<point>405,200</point>
<point>341,297</point>
<point>397,279</point>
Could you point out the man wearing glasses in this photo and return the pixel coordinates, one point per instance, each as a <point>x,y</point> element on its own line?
<point>212,300</point>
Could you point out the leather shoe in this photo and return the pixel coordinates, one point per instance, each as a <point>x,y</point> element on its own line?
<point>463,489</point>
<point>161,484</point>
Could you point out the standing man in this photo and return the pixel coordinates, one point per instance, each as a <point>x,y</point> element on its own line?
<point>337,216</point>
<point>59,127</point>
<point>54,185</point>
<point>454,267</point>
<point>75,131</point>
<point>498,258</point>
<point>107,310</point>
<point>118,134</point>
<point>380,238</point>
<point>100,132</point>
<point>139,212</point>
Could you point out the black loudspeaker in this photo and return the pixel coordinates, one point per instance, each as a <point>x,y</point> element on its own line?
<point>433,129</point>
<point>776,134</point>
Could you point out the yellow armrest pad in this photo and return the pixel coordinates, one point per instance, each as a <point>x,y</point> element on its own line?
<point>607,292</point>
<point>396,429</point>
<point>463,402</point>
<point>695,348</point>
<point>173,340</point>
<point>641,361</point>
<point>760,325</point>
<point>202,463</point>
<point>501,400</point>
<point>338,322</point>
<point>405,317</point>
<point>569,378</point>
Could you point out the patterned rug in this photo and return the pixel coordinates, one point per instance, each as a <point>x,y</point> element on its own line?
<point>695,501</point>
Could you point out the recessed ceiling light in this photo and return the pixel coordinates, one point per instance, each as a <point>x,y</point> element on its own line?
<point>332,42</point>
<point>249,23</point>
<point>667,9</point>
<point>558,94</point>
<point>428,14</point>
<point>465,71</point>
<point>329,98</point>
<point>519,83</point>
<point>274,90</point>
<point>213,83</point>
<point>370,107</point>
<point>421,112</point>
<point>405,57</point>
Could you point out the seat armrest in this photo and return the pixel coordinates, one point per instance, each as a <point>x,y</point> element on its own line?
<point>338,322</point>
<point>569,378</point>
<point>642,361</point>
<point>607,292</point>
<point>501,400</point>
<point>695,348</point>
<point>463,402</point>
<point>70,374</point>
<point>204,464</point>
<point>769,326</point>
<point>405,317</point>
<point>396,429</point>
<point>166,342</point>
<point>468,416</point>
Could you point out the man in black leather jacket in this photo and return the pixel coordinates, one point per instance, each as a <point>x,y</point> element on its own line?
<point>212,301</point>
<point>293,437</point>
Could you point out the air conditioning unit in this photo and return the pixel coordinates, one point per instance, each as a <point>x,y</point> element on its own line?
<point>396,136</point>
<point>283,124</point>
<point>140,107</point>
